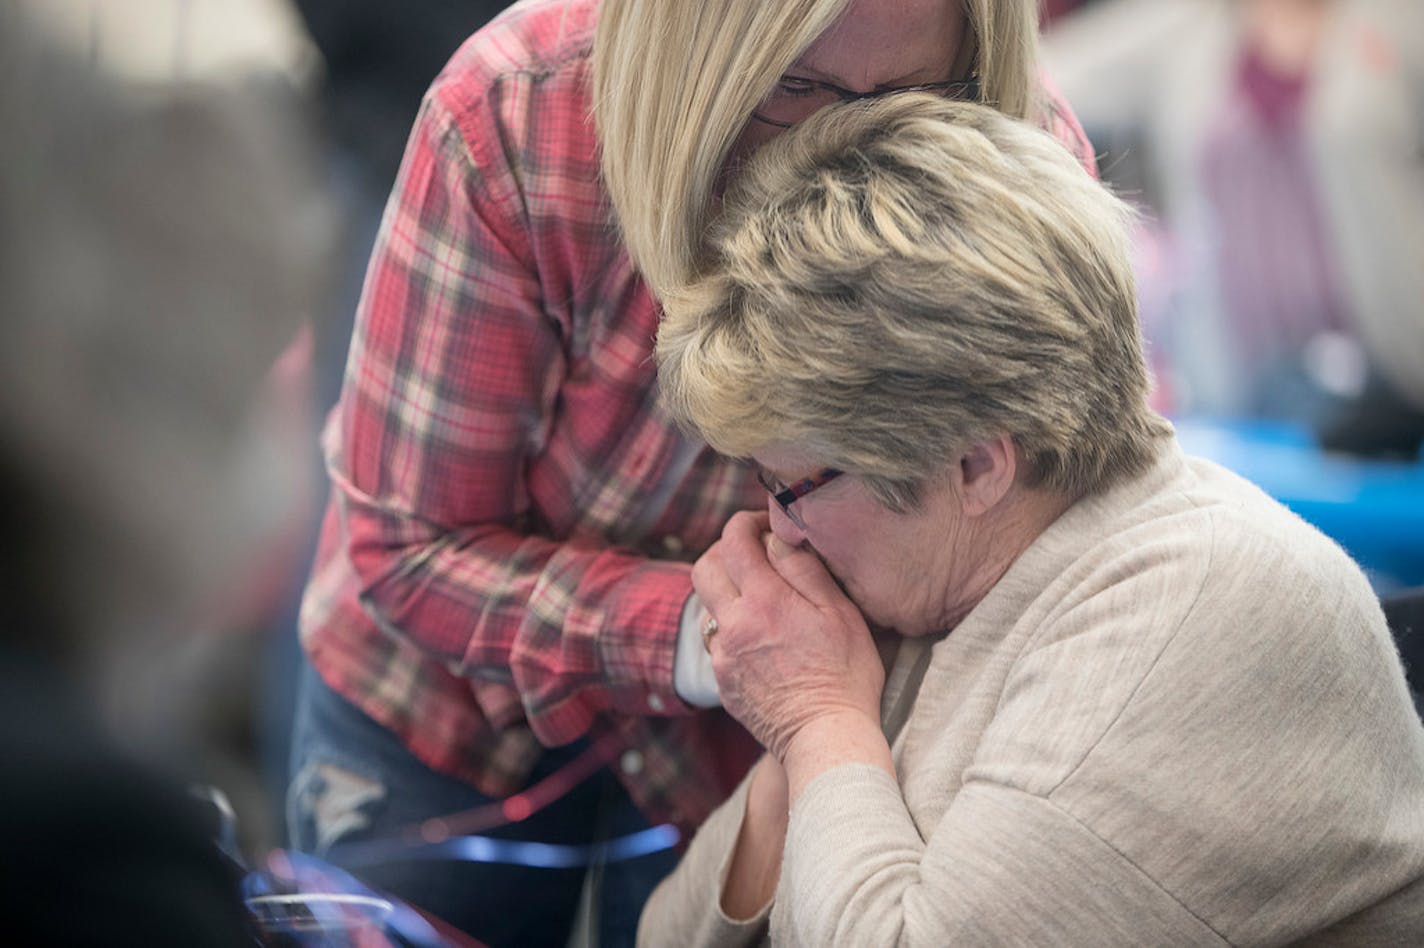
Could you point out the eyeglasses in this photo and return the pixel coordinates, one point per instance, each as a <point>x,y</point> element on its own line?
<point>796,98</point>
<point>787,494</point>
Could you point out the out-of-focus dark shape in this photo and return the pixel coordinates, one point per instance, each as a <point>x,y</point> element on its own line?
<point>98,851</point>
<point>160,245</point>
<point>1282,144</point>
<point>380,57</point>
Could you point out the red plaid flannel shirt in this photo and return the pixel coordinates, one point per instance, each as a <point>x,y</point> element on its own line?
<point>505,557</point>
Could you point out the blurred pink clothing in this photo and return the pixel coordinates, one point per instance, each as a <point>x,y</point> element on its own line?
<point>1278,279</point>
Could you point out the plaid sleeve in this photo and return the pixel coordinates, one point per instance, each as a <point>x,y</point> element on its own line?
<point>454,373</point>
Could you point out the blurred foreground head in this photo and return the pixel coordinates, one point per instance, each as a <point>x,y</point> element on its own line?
<point>160,246</point>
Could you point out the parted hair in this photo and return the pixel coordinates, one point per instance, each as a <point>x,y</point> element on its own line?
<point>675,81</point>
<point>894,280</point>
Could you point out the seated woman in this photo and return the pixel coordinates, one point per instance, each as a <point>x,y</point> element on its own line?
<point>1025,674</point>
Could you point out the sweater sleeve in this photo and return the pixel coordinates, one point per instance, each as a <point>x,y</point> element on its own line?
<point>686,908</point>
<point>1002,867</point>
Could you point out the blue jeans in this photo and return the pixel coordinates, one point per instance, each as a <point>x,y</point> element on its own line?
<point>354,781</point>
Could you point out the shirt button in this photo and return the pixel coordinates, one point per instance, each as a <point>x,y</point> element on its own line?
<point>656,703</point>
<point>673,544</point>
<point>631,762</point>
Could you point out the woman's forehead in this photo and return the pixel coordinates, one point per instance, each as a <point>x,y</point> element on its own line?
<point>787,462</point>
<point>886,42</point>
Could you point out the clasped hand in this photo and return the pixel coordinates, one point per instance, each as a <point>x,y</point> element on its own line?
<point>791,648</point>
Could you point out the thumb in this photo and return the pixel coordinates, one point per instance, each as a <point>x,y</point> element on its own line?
<point>803,571</point>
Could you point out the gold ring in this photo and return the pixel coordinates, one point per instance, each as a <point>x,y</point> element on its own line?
<point>709,629</point>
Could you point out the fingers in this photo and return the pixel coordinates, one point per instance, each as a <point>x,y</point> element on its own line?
<point>743,551</point>
<point>745,530</point>
<point>712,582</point>
<point>804,572</point>
<point>734,563</point>
<point>750,548</point>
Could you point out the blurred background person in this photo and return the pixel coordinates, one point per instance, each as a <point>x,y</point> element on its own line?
<point>162,239</point>
<point>1282,144</point>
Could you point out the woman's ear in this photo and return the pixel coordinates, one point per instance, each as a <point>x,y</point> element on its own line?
<point>986,473</point>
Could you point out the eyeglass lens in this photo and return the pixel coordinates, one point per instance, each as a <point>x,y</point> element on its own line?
<point>794,98</point>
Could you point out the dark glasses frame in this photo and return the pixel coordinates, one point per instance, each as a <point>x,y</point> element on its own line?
<point>787,494</point>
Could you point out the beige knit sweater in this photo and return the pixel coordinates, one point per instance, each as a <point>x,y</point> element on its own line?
<point>1178,719</point>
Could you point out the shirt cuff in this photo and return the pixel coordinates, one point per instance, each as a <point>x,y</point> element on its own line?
<point>692,676</point>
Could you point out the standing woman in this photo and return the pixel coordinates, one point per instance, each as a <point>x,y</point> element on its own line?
<point>502,582</point>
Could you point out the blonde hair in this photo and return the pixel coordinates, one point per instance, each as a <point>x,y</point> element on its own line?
<point>675,81</point>
<point>894,280</point>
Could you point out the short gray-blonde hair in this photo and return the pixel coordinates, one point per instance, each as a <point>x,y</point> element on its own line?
<point>675,81</point>
<point>894,280</point>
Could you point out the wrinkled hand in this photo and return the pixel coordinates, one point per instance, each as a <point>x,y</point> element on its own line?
<point>790,647</point>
